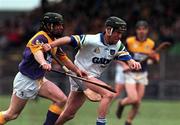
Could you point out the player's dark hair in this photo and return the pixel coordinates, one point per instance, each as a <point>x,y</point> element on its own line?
<point>142,23</point>
<point>116,23</point>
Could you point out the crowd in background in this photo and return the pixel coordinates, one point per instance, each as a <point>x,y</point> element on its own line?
<point>88,17</point>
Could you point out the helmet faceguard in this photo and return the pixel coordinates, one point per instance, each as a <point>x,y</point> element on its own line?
<point>116,23</point>
<point>48,22</point>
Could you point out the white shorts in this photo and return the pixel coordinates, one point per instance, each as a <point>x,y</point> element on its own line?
<point>119,76</point>
<point>136,77</point>
<point>76,85</point>
<point>26,88</point>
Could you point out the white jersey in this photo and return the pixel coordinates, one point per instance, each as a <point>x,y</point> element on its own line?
<point>94,55</point>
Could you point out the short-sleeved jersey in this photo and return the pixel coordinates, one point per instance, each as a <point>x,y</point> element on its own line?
<point>95,55</point>
<point>140,49</point>
<point>29,66</point>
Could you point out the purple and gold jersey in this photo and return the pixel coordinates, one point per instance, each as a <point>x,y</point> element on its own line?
<point>139,50</point>
<point>29,66</point>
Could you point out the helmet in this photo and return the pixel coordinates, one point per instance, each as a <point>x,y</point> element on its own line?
<point>116,23</point>
<point>142,23</point>
<point>51,18</point>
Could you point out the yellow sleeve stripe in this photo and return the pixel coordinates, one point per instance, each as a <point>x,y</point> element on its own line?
<point>122,53</point>
<point>77,38</point>
<point>34,48</point>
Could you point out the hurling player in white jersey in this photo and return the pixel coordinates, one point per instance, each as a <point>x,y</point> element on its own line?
<point>94,55</point>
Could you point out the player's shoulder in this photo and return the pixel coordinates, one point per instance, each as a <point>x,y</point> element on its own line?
<point>131,39</point>
<point>93,37</point>
<point>41,33</point>
<point>150,40</point>
<point>40,36</point>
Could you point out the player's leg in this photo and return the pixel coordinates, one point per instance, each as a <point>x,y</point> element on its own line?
<point>140,87</point>
<point>105,102</point>
<point>132,95</point>
<point>74,102</point>
<point>130,87</point>
<point>50,91</point>
<point>130,99</point>
<point>135,107</point>
<point>119,87</point>
<point>24,88</point>
<point>16,106</point>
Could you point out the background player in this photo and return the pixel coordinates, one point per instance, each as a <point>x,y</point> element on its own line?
<point>30,81</point>
<point>141,47</point>
<point>94,55</point>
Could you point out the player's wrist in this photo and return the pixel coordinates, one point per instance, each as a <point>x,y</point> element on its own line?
<point>42,64</point>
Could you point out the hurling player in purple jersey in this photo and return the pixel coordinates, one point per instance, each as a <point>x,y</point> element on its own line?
<point>30,80</point>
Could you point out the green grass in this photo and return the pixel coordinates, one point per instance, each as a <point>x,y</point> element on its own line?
<point>151,113</point>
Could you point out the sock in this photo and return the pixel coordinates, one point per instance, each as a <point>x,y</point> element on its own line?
<point>52,115</point>
<point>2,120</point>
<point>101,121</point>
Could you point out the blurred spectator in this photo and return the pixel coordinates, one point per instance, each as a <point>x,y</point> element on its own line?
<point>87,16</point>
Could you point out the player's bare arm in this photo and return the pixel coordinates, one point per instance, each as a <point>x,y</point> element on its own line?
<point>57,42</point>
<point>39,57</point>
<point>69,64</point>
<point>61,41</point>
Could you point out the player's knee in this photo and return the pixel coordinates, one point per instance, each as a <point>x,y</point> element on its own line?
<point>109,95</point>
<point>62,101</point>
<point>133,99</point>
<point>138,102</point>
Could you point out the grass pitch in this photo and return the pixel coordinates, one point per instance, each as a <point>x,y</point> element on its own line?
<point>152,112</point>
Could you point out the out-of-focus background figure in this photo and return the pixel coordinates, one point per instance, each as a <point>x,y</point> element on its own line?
<point>19,21</point>
<point>141,48</point>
